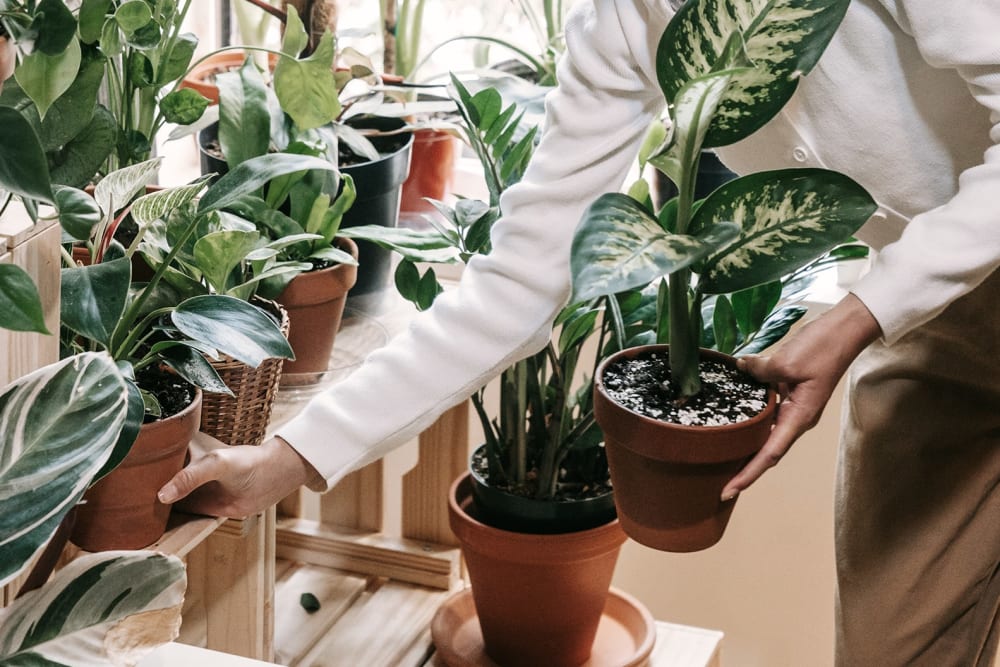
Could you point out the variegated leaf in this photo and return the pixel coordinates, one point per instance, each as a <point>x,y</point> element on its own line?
<point>57,428</point>
<point>156,205</point>
<point>106,608</point>
<point>784,39</point>
<point>121,186</point>
<point>619,245</point>
<point>787,218</point>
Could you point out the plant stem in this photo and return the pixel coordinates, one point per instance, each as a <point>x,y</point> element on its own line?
<point>683,344</point>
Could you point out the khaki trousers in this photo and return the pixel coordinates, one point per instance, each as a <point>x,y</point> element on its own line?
<point>918,495</point>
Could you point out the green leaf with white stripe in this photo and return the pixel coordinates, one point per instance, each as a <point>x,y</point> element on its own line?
<point>619,246</point>
<point>122,185</point>
<point>787,218</point>
<point>416,245</point>
<point>232,326</point>
<point>695,106</point>
<point>57,428</point>
<point>784,39</point>
<point>156,205</point>
<point>106,608</point>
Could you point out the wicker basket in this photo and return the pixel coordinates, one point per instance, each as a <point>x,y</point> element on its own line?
<point>242,419</point>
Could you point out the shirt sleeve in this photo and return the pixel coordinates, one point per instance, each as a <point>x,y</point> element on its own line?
<point>946,252</point>
<point>503,308</point>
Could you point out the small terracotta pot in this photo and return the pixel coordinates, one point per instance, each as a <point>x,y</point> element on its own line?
<point>539,598</point>
<point>201,78</point>
<point>315,303</point>
<point>121,511</point>
<point>8,59</point>
<point>432,170</point>
<point>668,478</point>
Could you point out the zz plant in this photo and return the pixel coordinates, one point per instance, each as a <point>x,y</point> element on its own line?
<point>725,69</point>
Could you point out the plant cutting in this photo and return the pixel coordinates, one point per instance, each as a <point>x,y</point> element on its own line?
<point>149,327</point>
<point>535,514</point>
<point>724,73</point>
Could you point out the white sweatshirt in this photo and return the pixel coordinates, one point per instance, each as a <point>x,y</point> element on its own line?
<point>906,100</point>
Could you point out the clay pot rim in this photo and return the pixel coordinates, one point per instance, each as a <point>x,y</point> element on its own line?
<point>346,274</point>
<point>517,546</point>
<point>187,412</point>
<point>767,414</point>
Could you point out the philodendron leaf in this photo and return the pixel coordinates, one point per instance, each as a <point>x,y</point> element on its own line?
<point>191,365</point>
<point>244,119</point>
<point>773,329</point>
<point>218,253</point>
<point>106,608</point>
<point>77,161</point>
<point>57,427</point>
<point>93,298</point>
<point>24,169</point>
<point>233,327</point>
<point>44,78</point>
<point>120,187</point>
<point>416,245</point>
<point>20,305</point>
<point>784,39</point>
<point>787,218</point>
<point>254,173</point>
<point>619,246</point>
<point>306,88</point>
<point>184,106</point>
<point>55,25</point>
<point>78,212</point>
<point>156,205</point>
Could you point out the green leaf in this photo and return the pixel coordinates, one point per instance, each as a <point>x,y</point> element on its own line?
<point>752,306</point>
<point>427,289</point>
<point>57,427</point>
<point>20,305</point>
<point>133,14</point>
<point>233,327</point>
<point>407,280</point>
<point>156,205</point>
<point>244,119</point>
<point>77,162</point>
<point>55,25</point>
<point>146,38</point>
<point>111,39</point>
<point>252,174</point>
<point>418,245</point>
<point>773,330</point>
<point>176,63</point>
<point>219,253</point>
<point>93,298</point>
<point>619,246</point>
<point>784,39</point>
<point>24,170</point>
<point>121,186</point>
<point>786,218</point>
<point>90,599</point>
<point>295,38</point>
<point>78,212</point>
<point>306,88</point>
<point>183,106</point>
<point>74,110</point>
<point>724,325</point>
<point>44,78</point>
<point>192,365</point>
<point>134,414</point>
<point>92,16</point>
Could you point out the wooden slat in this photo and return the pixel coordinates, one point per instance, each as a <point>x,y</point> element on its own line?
<point>380,628</point>
<point>296,630</point>
<point>444,454</point>
<point>356,502</point>
<point>421,563</point>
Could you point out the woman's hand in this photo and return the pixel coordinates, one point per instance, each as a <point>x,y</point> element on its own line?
<point>805,371</point>
<point>239,481</point>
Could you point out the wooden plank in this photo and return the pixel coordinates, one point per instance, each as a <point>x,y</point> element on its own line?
<point>36,250</point>
<point>444,455</point>
<point>380,628</point>
<point>185,532</point>
<point>296,630</point>
<point>356,502</point>
<point>422,563</point>
<point>232,575</point>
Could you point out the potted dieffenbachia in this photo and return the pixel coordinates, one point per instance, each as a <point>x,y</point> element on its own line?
<point>674,440</point>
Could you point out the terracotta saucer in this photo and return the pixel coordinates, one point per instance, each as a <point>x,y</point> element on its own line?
<point>625,634</point>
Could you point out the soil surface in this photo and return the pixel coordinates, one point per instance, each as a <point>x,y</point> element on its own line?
<point>643,385</point>
<point>173,392</point>
<point>567,489</point>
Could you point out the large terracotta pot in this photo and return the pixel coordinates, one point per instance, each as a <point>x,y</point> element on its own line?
<point>539,598</point>
<point>668,478</point>
<point>8,59</point>
<point>315,303</point>
<point>121,511</point>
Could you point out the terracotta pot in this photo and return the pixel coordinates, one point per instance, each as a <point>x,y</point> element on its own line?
<point>315,303</point>
<point>668,478</point>
<point>539,598</point>
<point>8,59</point>
<point>121,511</point>
<point>432,170</point>
<point>201,78</point>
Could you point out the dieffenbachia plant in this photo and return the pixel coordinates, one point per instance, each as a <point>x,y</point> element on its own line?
<point>725,69</point>
<point>58,428</point>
